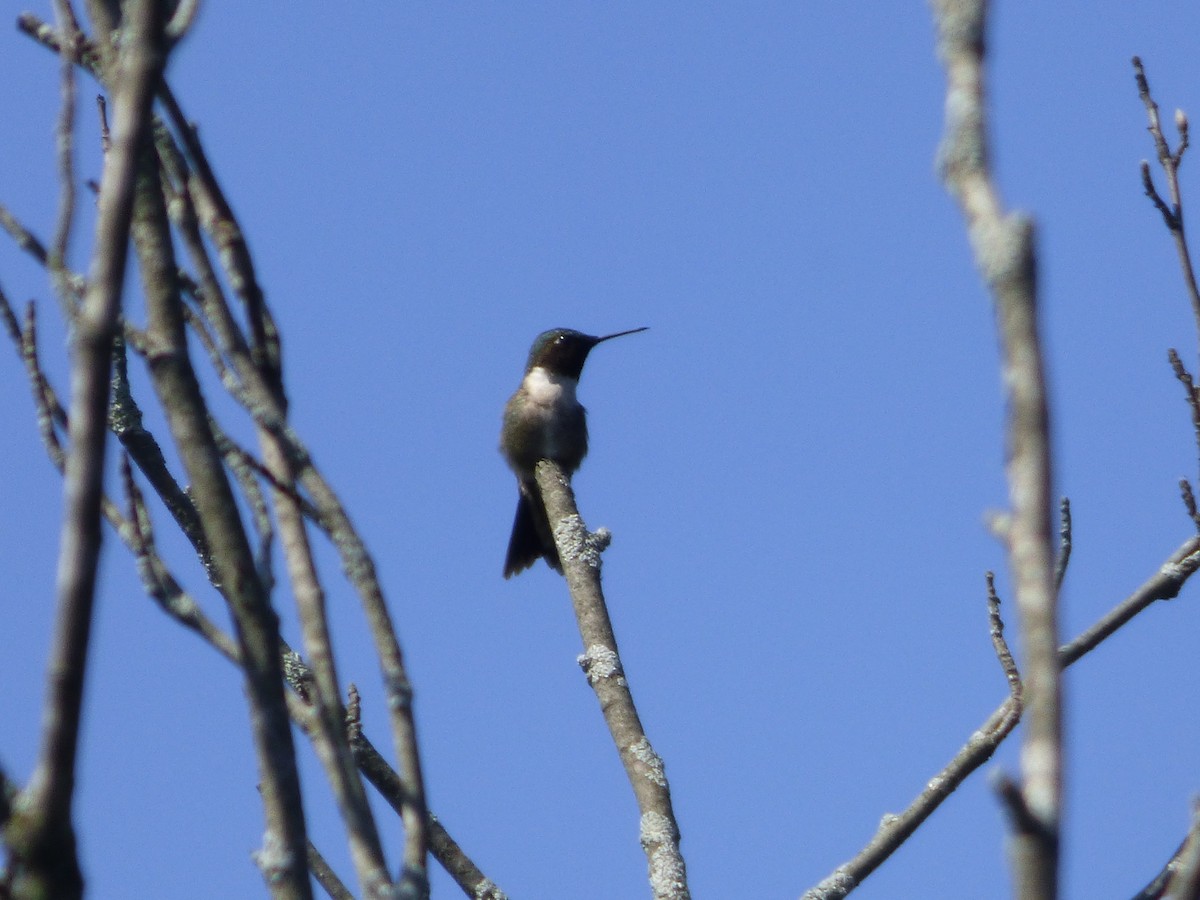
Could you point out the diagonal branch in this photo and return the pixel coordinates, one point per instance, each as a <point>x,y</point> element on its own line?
<point>1164,584</point>
<point>1180,877</point>
<point>580,554</point>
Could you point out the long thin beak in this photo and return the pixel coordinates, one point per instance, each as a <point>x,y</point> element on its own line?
<point>609,337</point>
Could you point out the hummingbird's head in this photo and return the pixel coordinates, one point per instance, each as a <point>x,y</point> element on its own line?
<point>563,351</point>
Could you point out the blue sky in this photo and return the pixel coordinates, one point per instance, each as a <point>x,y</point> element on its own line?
<point>795,460</point>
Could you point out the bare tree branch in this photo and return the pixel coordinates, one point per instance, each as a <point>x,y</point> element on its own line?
<point>325,875</point>
<point>40,836</point>
<point>579,552</point>
<point>1003,245</point>
<point>283,857</point>
<point>221,224</point>
<point>383,777</point>
<point>23,237</point>
<point>1165,584</point>
<point>258,369</point>
<point>252,374</point>
<point>125,421</point>
<point>163,588</point>
<point>896,829</point>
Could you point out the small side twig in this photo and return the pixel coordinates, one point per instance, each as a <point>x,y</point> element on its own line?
<point>102,113</point>
<point>1192,396</point>
<point>50,414</point>
<point>1189,501</point>
<point>1000,644</point>
<point>23,237</point>
<point>1064,542</point>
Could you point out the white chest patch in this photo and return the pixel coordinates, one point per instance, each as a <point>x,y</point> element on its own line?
<point>550,390</point>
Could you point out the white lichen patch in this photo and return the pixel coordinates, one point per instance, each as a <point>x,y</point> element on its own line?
<point>651,762</point>
<point>599,662</point>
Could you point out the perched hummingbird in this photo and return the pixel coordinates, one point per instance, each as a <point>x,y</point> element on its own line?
<point>543,420</point>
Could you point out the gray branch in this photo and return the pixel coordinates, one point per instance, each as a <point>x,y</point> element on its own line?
<point>40,835</point>
<point>1003,244</point>
<point>579,552</point>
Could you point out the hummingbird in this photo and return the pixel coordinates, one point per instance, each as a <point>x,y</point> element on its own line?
<point>544,420</point>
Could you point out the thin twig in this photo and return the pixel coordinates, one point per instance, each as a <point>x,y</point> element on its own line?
<point>23,237</point>
<point>999,644</point>
<point>65,146</point>
<point>239,457</point>
<point>245,475</point>
<point>1064,542</point>
<point>235,257</point>
<point>125,421</point>
<point>49,414</point>
<point>75,282</point>
<point>160,585</point>
<point>1169,161</point>
<point>325,876</point>
<point>329,737</point>
<point>1191,394</point>
<point>102,113</point>
<point>1189,501</point>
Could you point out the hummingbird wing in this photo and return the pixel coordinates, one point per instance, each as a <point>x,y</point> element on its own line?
<point>531,539</point>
